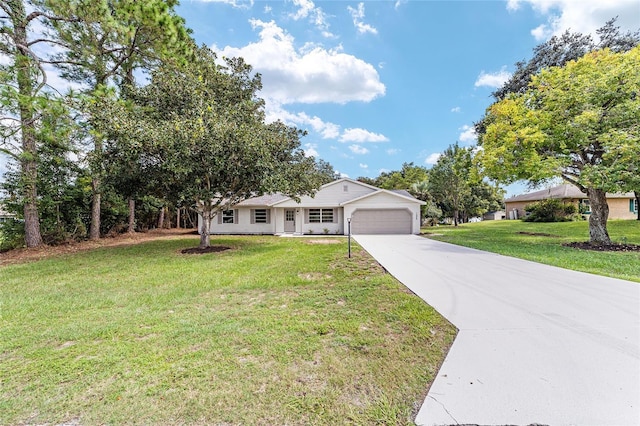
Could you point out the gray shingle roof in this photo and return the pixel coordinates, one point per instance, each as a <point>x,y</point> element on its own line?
<point>562,192</point>
<point>263,200</point>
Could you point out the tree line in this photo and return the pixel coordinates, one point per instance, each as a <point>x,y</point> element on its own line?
<point>149,117</point>
<point>454,188</point>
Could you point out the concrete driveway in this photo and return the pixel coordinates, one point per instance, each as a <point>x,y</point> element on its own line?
<point>537,344</point>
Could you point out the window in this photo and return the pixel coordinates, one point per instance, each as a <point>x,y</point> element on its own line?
<point>228,216</point>
<point>320,215</point>
<point>345,188</point>
<point>584,207</point>
<point>633,206</point>
<point>260,216</point>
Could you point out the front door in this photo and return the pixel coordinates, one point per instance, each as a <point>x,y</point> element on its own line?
<point>290,220</point>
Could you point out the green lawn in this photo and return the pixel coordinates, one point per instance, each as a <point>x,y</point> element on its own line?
<point>516,238</point>
<point>274,331</point>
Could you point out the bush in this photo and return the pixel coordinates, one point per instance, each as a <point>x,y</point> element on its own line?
<point>550,210</point>
<point>11,234</point>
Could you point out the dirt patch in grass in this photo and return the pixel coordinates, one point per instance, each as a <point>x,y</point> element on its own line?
<point>23,255</point>
<point>324,241</point>
<point>586,245</point>
<point>538,234</point>
<point>205,250</point>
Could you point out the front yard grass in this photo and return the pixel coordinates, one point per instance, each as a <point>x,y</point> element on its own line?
<point>274,331</point>
<point>542,242</point>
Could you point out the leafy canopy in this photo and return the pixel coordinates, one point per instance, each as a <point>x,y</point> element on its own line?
<point>570,122</point>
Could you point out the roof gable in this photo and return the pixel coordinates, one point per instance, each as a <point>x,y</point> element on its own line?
<point>332,194</point>
<point>396,194</point>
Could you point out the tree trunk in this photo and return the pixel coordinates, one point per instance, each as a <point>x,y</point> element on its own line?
<point>94,231</point>
<point>598,219</point>
<point>28,161</point>
<point>637,194</point>
<point>205,240</point>
<point>178,217</point>
<point>455,218</point>
<point>132,216</point>
<point>161,218</point>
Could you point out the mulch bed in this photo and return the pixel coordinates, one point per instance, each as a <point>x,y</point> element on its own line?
<point>210,249</point>
<point>585,245</point>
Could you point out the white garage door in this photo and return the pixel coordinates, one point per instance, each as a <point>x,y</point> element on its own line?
<point>381,221</point>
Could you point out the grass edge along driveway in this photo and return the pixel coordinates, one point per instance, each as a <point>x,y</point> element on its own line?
<point>542,243</point>
<point>273,331</point>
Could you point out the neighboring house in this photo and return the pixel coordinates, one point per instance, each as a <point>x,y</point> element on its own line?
<point>497,215</point>
<point>621,206</point>
<point>4,215</point>
<point>371,210</point>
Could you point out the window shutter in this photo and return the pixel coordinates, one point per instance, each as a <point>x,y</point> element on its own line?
<point>335,216</point>
<point>235,216</point>
<point>253,216</point>
<point>306,215</point>
<point>219,214</point>
<point>268,216</point>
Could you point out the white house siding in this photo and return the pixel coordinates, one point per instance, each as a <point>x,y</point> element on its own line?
<point>331,195</point>
<point>243,225</point>
<point>385,201</point>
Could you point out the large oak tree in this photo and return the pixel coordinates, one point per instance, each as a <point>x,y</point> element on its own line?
<point>570,123</point>
<point>206,131</point>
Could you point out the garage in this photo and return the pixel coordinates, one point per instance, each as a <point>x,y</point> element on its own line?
<point>381,221</point>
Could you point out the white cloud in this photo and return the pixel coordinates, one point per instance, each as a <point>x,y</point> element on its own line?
<point>583,16</point>
<point>358,15</point>
<point>361,136</point>
<point>541,32</point>
<point>468,134</point>
<point>310,150</point>
<point>342,175</point>
<point>492,80</point>
<point>456,109</point>
<point>327,130</point>
<point>400,3</point>
<point>381,171</point>
<point>309,75</point>
<point>364,166</point>
<point>513,5</point>
<point>357,149</point>
<point>267,9</point>
<point>392,151</point>
<point>432,158</point>
<point>308,9</point>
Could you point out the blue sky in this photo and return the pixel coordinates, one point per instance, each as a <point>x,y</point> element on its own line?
<point>379,83</point>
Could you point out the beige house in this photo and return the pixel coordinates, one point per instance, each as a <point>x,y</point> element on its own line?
<point>336,205</point>
<point>621,206</point>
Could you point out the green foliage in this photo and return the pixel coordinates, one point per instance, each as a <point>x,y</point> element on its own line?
<point>559,50</point>
<point>11,234</point>
<point>550,210</point>
<point>571,122</point>
<point>449,180</point>
<point>201,126</point>
<point>400,179</point>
